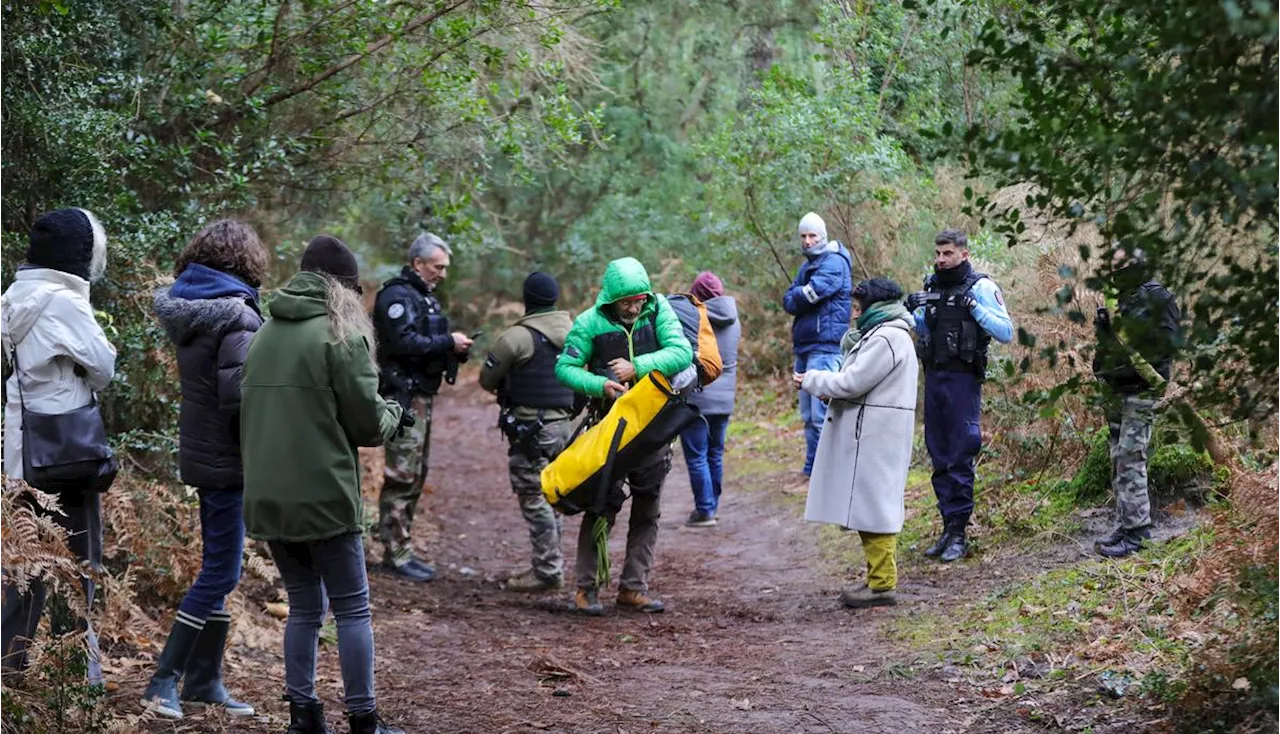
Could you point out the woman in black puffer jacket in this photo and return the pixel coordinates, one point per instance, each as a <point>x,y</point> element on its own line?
<point>211,313</point>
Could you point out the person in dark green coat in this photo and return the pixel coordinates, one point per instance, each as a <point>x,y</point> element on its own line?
<point>630,332</point>
<point>309,398</point>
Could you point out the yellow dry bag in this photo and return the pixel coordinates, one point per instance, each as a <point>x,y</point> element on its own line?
<point>642,421</point>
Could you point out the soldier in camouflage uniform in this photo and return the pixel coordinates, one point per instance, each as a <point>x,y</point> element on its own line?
<point>416,351</point>
<point>1138,334</point>
<point>535,417</point>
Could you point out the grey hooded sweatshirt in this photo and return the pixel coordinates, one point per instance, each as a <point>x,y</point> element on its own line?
<point>717,398</point>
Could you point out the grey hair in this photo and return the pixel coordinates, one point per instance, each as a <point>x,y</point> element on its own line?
<point>98,260</point>
<point>425,245</point>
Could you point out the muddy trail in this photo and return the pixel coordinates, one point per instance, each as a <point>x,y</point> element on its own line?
<point>754,638</point>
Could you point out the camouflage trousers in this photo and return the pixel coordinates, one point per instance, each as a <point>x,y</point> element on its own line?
<point>402,482</point>
<point>526,482</point>
<point>1129,419</point>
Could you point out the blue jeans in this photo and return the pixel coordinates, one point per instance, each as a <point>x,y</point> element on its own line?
<point>222,530</point>
<point>703,444</point>
<point>953,435</point>
<point>317,574</point>
<point>812,410</point>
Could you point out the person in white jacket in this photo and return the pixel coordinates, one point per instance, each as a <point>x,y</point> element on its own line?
<point>860,471</point>
<point>62,358</point>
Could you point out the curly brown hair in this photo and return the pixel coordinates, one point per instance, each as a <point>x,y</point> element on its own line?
<point>228,245</point>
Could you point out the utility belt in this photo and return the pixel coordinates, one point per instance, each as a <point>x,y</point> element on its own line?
<point>522,434</point>
<point>978,366</point>
<point>396,383</point>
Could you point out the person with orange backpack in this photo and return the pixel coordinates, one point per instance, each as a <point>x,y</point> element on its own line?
<point>703,442</point>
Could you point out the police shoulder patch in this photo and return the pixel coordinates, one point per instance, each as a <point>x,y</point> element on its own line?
<point>396,311</point>
<point>999,297</point>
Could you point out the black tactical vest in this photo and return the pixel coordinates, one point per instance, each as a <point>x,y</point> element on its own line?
<point>953,341</point>
<point>612,344</point>
<point>423,373</point>
<point>534,384</point>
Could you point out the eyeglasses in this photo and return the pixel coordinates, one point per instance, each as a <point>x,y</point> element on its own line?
<point>632,300</point>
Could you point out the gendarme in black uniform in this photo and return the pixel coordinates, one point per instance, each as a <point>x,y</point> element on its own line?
<point>415,352</point>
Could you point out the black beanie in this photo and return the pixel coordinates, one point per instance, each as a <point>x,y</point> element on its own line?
<point>329,255</point>
<point>876,290</point>
<point>62,240</point>
<point>540,290</point>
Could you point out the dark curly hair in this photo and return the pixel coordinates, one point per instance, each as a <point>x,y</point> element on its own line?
<point>876,290</point>
<point>228,245</point>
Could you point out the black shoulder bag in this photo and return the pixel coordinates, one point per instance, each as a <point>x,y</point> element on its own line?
<point>66,451</point>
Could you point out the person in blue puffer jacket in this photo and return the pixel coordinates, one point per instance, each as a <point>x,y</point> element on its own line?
<point>821,299</point>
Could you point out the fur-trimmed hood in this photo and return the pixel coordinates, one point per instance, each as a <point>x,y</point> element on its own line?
<point>184,320</point>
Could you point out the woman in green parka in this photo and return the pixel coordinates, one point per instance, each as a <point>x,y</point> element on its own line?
<point>309,398</point>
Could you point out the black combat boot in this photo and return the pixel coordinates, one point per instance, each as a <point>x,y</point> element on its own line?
<point>941,544</point>
<point>957,543</point>
<point>371,723</point>
<point>1131,541</point>
<point>307,718</point>
<point>1114,537</point>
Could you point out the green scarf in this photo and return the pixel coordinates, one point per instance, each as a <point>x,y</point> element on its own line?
<point>879,313</point>
<point>850,340</point>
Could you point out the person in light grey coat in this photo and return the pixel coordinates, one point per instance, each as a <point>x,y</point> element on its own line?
<point>703,442</point>
<point>860,471</point>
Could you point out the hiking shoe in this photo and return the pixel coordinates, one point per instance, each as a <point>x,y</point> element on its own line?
<point>532,583</point>
<point>864,597</point>
<point>638,601</point>
<point>700,519</point>
<point>1114,537</point>
<point>1131,541</point>
<point>587,601</point>
<point>411,570</point>
<point>797,487</point>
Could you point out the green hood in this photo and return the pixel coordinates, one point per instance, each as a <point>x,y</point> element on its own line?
<point>623,278</point>
<point>304,297</point>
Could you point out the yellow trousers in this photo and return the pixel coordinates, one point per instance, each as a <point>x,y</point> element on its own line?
<point>881,550</point>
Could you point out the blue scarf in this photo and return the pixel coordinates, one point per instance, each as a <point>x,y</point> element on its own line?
<point>198,282</point>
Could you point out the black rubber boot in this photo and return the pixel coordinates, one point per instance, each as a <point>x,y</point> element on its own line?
<point>203,682</point>
<point>957,543</point>
<point>307,718</point>
<point>1131,541</point>
<point>370,723</point>
<point>161,695</point>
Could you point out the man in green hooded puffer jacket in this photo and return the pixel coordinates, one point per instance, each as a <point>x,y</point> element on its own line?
<point>630,332</point>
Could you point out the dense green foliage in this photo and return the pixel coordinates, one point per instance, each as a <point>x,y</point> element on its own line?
<point>1154,122</point>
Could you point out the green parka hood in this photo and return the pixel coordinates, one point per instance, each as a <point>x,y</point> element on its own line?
<point>303,297</point>
<point>623,278</point>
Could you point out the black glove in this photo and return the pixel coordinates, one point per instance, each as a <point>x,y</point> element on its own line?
<point>407,419</point>
<point>916,300</point>
<point>1102,319</point>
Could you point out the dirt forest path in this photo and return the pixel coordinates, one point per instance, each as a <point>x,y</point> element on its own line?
<point>754,639</point>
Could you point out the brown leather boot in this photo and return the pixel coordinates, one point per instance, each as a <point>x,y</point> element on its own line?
<point>639,601</point>
<point>587,601</point>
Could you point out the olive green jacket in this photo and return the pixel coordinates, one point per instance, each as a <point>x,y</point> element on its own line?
<point>307,402</point>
